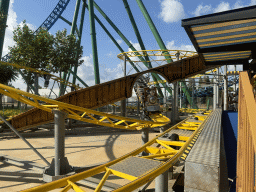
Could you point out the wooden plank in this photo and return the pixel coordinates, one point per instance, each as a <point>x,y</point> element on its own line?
<point>225,31</point>
<point>106,94</point>
<point>222,24</point>
<point>100,95</point>
<point>93,98</point>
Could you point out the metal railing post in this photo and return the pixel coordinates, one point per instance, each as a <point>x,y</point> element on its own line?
<point>225,89</point>
<point>123,102</point>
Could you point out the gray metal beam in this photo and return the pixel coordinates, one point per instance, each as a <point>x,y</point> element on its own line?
<point>20,136</point>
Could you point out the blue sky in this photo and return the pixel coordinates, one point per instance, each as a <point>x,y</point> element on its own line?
<point>166,14</point>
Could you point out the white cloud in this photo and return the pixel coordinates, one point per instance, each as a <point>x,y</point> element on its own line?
<point>253,2</point>
<point>171,45</point>
<point>86,71</point>
<point>201,10</point>
<point>171,11</point>
<point>223,6</point>
<point>119,41</point>
<point>238,4</point>
<point>11,23</point>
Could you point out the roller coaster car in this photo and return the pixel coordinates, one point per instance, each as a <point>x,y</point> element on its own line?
<point>151,101</point>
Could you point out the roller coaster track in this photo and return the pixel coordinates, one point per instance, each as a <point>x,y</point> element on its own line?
<point>137,169</point>
<point>109,92</point>
<point>87,114</point>
<point>53,77</point>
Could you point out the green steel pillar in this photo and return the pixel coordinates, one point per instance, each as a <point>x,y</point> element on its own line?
<point>115,42</point>
<point>79,37</point>
<point>124,38</point>
<point>94,43</point>
<point>137,33</point>
<point>73,27</point>
<point>4,7</point>
<point>153,27</point>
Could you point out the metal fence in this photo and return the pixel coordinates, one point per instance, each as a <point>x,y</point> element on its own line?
<point>246,143</point>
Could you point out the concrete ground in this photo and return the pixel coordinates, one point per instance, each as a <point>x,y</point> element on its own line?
<point>96,145</point>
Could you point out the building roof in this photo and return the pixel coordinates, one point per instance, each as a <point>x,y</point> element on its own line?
<point>224,38</point>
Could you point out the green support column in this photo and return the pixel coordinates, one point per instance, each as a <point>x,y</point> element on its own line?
<point>115,42</point>
<point>4,6</point>
<point>79,38</point>
<point>124,38</point>
<point>153,28</point>
<point>73,27</point>
<point>94,43</point>
<point>137,33</point>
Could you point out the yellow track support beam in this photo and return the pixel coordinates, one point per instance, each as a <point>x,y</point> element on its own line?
<point>75,112</point>
<point>53,77</point>
<point>135,182</point>
<point>105,177</point>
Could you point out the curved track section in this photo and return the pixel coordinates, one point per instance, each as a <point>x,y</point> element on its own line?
<point>50,20</point>
<point>53,77</point>
<point>55,14</point>
<point>110,92</point>
<point>83,114</point>
<point>137,169</point>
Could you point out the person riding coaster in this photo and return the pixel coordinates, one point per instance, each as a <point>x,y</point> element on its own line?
<point>147,97</point>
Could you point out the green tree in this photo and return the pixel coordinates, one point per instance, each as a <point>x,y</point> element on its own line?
<point>7,74</point>
<point>32,50</point>
<point>67,53</point>
<point>44,52</point>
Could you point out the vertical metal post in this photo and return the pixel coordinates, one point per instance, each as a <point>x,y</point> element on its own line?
<point>180,96</point>
<point>192,95</point>
<point>123,102</point>
<point>144,138</point>
<point>94,43</point>
<point>59,136</point>
<point>174,103</point>
<point>161,182</point>
<point>36,83</point>
<point>225,89</point>
<point>138,106</point>
<point>114,109</point>
<point>217,91</point>
<point>214,93</point>
<point>235,78</point>
<point>165,100</point>
<point>4,6</point>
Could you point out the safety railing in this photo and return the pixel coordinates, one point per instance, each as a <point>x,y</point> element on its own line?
<point>246,143</point>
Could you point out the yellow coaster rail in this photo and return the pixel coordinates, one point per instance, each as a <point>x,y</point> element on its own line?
<point>167,155</point>
<point>83,114</point>
<point>53,77</point>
